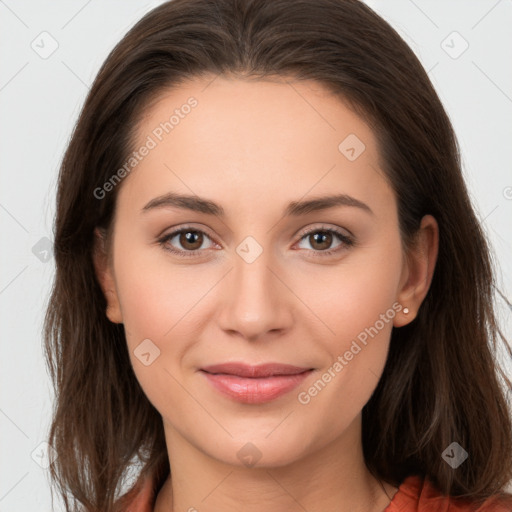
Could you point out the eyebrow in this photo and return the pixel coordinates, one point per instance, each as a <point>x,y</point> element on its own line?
<point>293,209</point>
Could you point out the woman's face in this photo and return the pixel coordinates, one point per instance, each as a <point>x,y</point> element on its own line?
<point>259,278</point>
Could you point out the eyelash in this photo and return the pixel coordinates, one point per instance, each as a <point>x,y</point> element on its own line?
<point>346,241</point>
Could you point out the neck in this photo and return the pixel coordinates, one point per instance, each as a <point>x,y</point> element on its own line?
<point>332,478</point>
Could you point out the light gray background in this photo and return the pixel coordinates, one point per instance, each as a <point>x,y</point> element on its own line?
<point>40,99</point>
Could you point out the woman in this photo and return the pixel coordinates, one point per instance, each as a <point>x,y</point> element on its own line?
<point>272,291</point>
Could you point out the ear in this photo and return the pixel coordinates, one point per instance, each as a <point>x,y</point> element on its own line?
<point>418,270</point>
<point>105,276</point>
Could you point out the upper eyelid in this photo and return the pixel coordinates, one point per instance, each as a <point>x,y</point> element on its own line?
<point>185,228</point>
<point>324,227</point>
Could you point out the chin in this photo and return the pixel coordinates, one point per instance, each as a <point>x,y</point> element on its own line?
<point>259,451</point>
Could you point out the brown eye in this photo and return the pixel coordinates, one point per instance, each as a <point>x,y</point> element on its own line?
<point>191,240</point>
<point>185,241</point>
<point>321,240</point>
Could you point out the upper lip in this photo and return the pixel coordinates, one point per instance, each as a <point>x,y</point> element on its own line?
<point>261,370</point>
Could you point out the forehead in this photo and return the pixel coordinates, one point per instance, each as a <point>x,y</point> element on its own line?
<point>214,136</point>
<point>280,109</point>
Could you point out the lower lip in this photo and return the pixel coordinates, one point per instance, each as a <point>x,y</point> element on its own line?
<point>255,390</point>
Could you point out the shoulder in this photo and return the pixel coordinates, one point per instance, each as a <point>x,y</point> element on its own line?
<point>417,494</point>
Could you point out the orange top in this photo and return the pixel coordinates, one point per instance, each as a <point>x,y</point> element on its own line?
<point>414,495</point>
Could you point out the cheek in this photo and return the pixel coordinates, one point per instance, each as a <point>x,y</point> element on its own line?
<point>157,296</point>
<point>158,304</point>
<point>351,296</point>
<point>355,301</point>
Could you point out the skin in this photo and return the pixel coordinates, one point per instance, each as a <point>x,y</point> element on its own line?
<point>252,147</point>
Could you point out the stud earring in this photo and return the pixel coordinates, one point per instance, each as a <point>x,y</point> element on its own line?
<point>406,310</point>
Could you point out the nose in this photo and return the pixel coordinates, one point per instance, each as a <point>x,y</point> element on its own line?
<point>256,301</point>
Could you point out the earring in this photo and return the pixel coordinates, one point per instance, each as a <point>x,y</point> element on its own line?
<point>406,310</point>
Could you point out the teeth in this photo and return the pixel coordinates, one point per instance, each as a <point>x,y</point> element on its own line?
<point>258,377</point>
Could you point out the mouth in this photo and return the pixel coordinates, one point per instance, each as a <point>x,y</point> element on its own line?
<point>255,384</point>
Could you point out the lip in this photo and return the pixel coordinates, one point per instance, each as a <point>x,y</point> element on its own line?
<point>255,384</point>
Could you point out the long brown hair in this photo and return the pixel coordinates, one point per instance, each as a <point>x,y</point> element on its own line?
<point>441,382</point>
